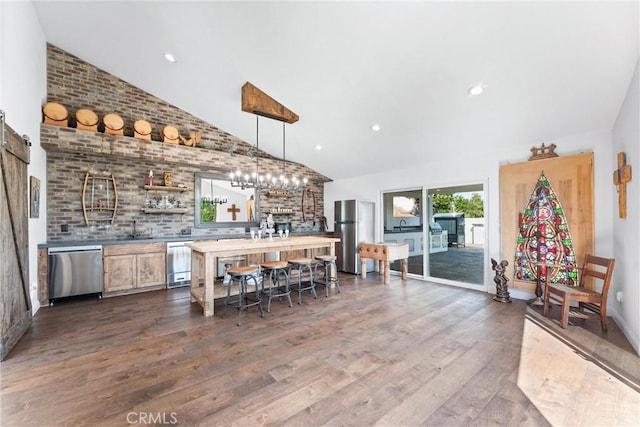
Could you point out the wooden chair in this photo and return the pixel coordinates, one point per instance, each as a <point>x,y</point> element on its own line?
<point>591,303</point>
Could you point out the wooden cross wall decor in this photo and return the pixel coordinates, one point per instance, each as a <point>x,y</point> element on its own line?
<point>621,176</point>
<point>233,211</point>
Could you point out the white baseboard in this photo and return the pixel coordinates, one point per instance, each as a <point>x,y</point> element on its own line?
<point>634,340</point>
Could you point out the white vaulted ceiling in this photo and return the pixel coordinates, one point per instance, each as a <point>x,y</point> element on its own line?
<point>549,69</point>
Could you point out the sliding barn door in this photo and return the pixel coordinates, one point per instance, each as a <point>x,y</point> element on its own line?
<point>15,307</point>
<point>572,179</point>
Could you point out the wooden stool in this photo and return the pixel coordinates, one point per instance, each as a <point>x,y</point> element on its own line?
<point>301,264</point>
<point>243,302</point>
<point>326,263</point>
<point>55,114</point>
<point>276,270</point>
<point>86,120</point>
<point>142,130</point>
<point>113,124</point>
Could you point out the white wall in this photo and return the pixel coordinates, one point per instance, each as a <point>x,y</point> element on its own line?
<point>626,232</point>
<point>482,167</point>
<point>23,88</point>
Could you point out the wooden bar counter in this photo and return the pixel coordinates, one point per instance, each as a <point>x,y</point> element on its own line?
<point>204,259</point>
<point>384,253</point>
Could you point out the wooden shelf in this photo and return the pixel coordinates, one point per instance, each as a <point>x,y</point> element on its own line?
<point>164,188</point>
<point>164,211</point>
<point>277,193</point>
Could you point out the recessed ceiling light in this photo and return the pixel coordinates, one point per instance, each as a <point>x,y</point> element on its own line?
<point>318,147</point>
<point>375,127</point>
<point>476,90</point>
<point>169,57</point>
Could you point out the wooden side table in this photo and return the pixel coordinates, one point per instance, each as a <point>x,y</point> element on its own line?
<point>384,253</point>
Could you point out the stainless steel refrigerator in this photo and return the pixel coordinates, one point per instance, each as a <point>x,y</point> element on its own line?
<point>354,224</point>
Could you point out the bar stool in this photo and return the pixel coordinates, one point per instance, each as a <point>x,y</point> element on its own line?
<point>242,275</point>
<point>273,272</point>
<point>302,264</point>
<point>326,263</point>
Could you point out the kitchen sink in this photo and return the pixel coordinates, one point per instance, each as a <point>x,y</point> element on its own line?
<point>136,237</point>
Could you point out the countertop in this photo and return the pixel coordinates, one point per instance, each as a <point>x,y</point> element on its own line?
<point>164,239</point>
<point>404,230</point>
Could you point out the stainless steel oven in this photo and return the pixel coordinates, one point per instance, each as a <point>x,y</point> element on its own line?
<point>178,264</point>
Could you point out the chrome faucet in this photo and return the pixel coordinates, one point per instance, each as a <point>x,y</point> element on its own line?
<point>403,221</point>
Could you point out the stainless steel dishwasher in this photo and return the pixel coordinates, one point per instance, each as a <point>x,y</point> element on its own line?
<point>178,264</point>
<point>75,270</point>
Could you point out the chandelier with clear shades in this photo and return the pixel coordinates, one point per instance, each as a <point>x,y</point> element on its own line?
<point>273,181</point>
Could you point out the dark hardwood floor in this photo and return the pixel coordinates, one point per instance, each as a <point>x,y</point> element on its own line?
<point>410,353</point>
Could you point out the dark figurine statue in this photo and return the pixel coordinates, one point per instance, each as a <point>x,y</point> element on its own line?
<point>502,289</point>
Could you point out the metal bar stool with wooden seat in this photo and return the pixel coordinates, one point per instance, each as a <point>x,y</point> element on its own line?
<point>327,262</point>
<point>300,265</point>
<point>243,301</point>
<point>273,272</point>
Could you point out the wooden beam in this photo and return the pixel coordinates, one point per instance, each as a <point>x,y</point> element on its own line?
<point>257,102</point>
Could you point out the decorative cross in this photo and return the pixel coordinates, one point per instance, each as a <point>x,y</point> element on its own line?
<point>620,178</point>
<point>233,211</point>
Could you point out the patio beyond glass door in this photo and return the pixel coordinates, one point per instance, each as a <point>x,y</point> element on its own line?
<point>456,234</point>
<point>444,228</point>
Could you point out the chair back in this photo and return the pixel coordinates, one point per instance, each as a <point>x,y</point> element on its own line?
<point>599,268</point>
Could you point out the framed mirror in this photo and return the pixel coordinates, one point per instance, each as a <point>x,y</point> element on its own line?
<point>218,204</point>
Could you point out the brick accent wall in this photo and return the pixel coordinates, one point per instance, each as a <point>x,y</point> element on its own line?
<point>71,152</point>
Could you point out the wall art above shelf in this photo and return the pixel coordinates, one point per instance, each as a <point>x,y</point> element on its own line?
<point>99,198</point>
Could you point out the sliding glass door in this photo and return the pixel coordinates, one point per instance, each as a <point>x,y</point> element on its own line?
<point>444,228</point>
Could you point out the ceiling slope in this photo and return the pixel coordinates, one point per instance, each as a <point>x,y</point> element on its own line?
<point>549,69</point>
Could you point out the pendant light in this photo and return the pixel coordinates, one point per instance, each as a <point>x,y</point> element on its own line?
<point>271,181</point>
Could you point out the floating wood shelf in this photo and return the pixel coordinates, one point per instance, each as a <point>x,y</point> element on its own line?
<point>277,193</point>
<point>165,188</point>
<point>164,211</point>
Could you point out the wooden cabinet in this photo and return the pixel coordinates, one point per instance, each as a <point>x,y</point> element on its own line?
<point>43,276</point>
<point>151,268</point>
<point>134,267</point>
<point>119,272</point>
